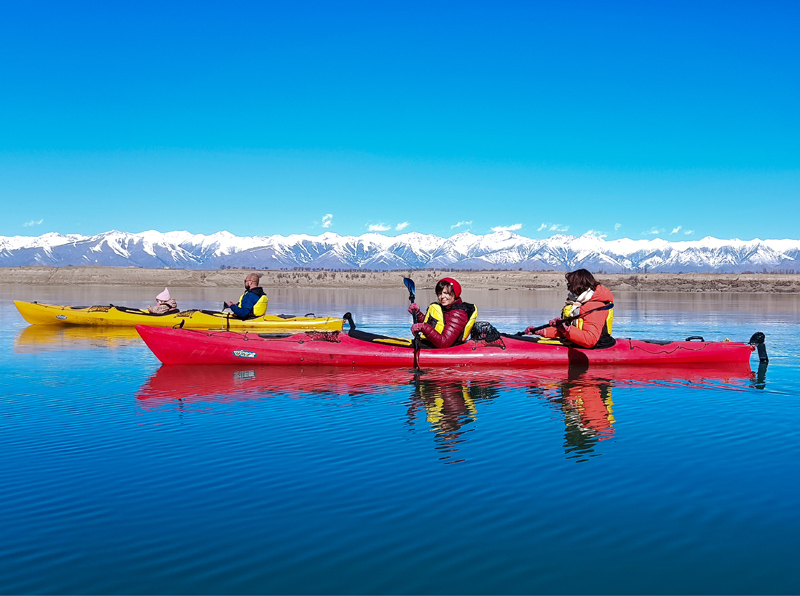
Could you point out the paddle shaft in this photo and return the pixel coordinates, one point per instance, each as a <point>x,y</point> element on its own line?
<point>411,287</point>
<point>575,318</point>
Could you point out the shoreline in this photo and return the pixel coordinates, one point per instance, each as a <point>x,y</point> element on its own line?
<point>769,283</point>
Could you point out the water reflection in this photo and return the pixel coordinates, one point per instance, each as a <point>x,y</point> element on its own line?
<point>446,402</point>
<point>449,404</point>
<point>38,338</point>
<point>760,379</point>
<point>583,396</point>
<point>586,403</point>
<point>233,382</point>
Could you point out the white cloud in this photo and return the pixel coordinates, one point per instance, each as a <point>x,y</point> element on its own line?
<point>675,230</point>
<point>688,232</point>
<point>29,224</point>
<point>381,227</point>
<point>327,220</point>
<point>595,233</point>
<point>551,227</point>
<point>617,226</point>
<point>653,231</point>
<point>401,226</point>
<point>461,223</point>
<point>510,228</point>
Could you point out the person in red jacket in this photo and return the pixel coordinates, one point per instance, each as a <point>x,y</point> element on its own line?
<point>448,321</point>
<point>588,313</point>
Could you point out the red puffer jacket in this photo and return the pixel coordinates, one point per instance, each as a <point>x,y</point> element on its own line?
<point>455,320</point>
<point>593,322</point>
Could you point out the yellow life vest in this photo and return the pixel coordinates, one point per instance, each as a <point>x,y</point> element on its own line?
<point>434,404</point>
<point>568,309</point>
<point>259,308</point>
<point>435,318</point>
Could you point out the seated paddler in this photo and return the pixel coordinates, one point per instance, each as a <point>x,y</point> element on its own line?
<point>165,304</point>
<point>446,322</point>
<point>251,304</point>
<point>587,314</point>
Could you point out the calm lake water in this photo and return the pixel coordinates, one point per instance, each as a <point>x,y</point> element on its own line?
<point>121,476</point>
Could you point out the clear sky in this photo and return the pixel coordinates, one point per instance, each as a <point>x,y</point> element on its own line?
<point>676,120</point>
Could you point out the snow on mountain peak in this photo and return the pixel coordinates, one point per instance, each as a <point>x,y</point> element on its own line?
<point>502,249</point>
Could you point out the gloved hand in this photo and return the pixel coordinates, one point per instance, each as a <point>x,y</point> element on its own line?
<point>417,328</point>
<point>413,309</point>
<point>534,331</point>
<point>560,325</point>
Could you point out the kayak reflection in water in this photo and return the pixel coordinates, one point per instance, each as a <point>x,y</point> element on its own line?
<point>587,405</point>
<point>448,321</point>
<point>449,406</point>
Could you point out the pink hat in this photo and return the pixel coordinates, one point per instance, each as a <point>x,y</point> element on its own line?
<point>163,296</point>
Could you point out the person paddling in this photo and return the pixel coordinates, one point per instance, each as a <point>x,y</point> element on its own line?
<point>253,303</point>
<point>587,315</point>
<point>448,321</point>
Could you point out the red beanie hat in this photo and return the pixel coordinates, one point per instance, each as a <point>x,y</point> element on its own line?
<point>454,283</point>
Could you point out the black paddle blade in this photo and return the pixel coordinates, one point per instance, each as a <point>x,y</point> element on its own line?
<point>411,288</point>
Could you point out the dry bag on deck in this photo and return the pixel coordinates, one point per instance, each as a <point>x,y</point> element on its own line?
<point>484,331</point>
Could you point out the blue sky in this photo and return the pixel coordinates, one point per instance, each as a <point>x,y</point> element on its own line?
<point>676,120</point>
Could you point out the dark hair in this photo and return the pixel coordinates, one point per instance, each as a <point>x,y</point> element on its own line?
<point>445,284</point>
<point>579,281</point>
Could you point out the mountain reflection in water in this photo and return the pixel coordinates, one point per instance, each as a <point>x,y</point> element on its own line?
<point>448,402</point>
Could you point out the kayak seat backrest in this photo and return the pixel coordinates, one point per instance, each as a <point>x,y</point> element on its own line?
<point>601,344</point>
<point>286,316</point>
<point>139,311</point>
<point>128,309</point>
<point>379,339</point>
<point>533,339</point>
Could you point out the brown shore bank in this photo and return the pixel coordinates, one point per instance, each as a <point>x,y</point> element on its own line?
<point>771,283</point>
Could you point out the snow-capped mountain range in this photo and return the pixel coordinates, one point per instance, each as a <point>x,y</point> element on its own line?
<point>500,250</point>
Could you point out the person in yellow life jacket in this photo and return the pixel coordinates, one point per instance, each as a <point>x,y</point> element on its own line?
<point>253,303</point>
<point>588,312</point>
<point>448,321</point>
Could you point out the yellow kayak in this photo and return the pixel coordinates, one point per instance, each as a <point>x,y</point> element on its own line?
<point>37,313</point>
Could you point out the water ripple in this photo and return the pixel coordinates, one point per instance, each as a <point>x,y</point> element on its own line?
<point>120,476</point>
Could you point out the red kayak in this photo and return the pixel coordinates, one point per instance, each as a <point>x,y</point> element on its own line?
<point>357,348</point>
